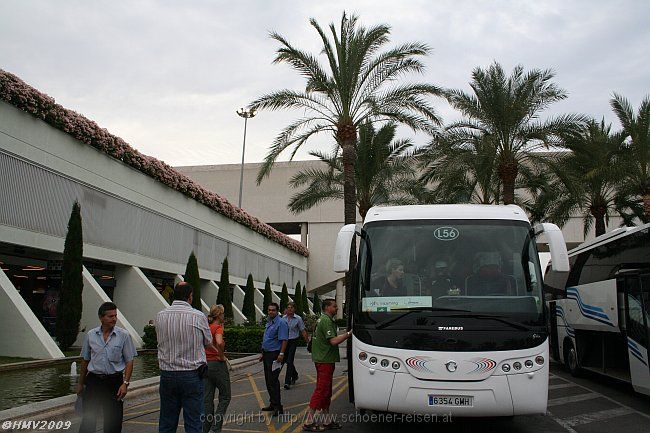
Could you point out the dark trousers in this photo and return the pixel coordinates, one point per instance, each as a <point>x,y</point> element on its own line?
<point>180,389</point>
<point>218,378</point>
<point>289,356</point>
<point>100,396</point>
<point>272,378</point>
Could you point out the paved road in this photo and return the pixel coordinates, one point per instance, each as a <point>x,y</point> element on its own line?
<point>589,404</point>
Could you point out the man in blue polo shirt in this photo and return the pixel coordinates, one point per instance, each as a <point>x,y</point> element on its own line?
<point>274,344</point>
<point>106,368</point>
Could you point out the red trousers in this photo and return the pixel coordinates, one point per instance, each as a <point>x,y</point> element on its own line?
<point>322,396</point>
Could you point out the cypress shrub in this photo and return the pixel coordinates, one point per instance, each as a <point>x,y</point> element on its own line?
<point>316,301</point>
<point>150,338</point>
<point>223,297</point>
<point>249,300</point>
<point>305,304</point>
<point>268,295</point>
<point>297,299</point>
<point>284,298</point>
<point>69,308</point>
<point>192,276</point>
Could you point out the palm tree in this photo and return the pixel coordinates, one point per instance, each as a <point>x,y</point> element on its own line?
<point>356,84</point>
<point>466,171</point>
<point>460,171</point>
<point>637,131</point>
<point>589,178</point>
<point>383,167</point>
<point>507,109</point>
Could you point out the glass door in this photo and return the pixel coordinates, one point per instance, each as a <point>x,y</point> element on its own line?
<point>637,294</point>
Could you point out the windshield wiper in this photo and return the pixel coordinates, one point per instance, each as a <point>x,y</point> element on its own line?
<point>501,319</point>
<point>408,311</point>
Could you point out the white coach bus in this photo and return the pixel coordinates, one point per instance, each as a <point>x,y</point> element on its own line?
<point>599,310</point>
<point>447,310</point>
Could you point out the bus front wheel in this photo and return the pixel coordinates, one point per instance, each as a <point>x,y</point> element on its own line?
<point>571,358</point>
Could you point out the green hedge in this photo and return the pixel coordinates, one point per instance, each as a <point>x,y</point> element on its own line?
<point>243,339</point>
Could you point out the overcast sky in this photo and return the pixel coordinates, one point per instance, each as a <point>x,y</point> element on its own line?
<point>167,76</point>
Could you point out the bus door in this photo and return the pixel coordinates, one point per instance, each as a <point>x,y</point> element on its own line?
<point>637,294</point>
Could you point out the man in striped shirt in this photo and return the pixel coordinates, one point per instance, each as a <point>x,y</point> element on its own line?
<point>183,333</point>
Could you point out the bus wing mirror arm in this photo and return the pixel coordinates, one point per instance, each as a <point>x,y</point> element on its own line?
<point>343,246</point>
<point>556,244</point>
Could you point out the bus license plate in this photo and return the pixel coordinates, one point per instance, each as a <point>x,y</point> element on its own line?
<point>451,400</point>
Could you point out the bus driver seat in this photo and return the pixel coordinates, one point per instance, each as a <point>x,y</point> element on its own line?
<point>487,278</point>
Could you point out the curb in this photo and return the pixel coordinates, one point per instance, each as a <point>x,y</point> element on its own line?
<point>64,405</point>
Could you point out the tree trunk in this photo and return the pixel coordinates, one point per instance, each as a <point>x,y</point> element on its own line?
<point>363,211</point>
<point>646,206</point>
<point>507,172</point>
<point>598,212</point>
<point>347,137</point>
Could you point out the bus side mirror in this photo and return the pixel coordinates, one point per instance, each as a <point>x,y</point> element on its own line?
<point>556,244</point>
<point>342,248</point>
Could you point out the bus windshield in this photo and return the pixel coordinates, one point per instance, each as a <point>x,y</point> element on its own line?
<point>480,267</point>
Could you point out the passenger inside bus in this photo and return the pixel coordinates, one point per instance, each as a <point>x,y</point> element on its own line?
<point>488,278</point>
<point>439,282</point>
<point>392,283</point>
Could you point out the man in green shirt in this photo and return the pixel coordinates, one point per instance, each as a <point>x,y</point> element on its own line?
<point>325,354</point>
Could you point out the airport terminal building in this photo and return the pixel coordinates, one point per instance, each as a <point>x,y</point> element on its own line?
<point>141,220</point>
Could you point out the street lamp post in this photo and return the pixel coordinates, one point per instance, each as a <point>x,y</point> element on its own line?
<point>246,114</point>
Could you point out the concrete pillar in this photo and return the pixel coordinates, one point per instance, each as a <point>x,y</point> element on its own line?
<point>21,333</point>
<point>340,298</point>
<point>136,296</point>
<point>238,299</point>
<point>259,298</point>
<point>303,233</point>
<point>92,297</point>
<point>209,291</point>
<point>310,304</point>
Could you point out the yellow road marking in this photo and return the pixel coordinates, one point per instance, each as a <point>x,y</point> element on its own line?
<point>146,423</point>
<point>301,416</point>
<point>260,401</point>
<point>142,412</point>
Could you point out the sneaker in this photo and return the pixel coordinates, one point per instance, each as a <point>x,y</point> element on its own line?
<point>268,408</point>
<point>287,386</point>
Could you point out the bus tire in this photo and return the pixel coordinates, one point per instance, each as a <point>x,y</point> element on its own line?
<point>571,358</point>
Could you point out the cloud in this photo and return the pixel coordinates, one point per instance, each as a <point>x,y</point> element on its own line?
<point>167,76</point>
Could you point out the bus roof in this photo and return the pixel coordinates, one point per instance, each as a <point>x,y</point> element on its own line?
<point>607,237</point>
<point>446,211</point>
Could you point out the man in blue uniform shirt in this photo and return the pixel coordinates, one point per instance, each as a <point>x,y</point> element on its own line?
<point>274,345</point>
<point>106,368</point>
<point>296,329</point>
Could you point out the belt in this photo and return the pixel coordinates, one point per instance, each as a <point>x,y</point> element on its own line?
<point>106,376</point>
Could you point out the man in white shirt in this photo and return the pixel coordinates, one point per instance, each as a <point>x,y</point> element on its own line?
<point>183,333</point>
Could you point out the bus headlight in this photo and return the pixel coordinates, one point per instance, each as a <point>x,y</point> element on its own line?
<point>517,365</point>
<point>539,359</point>
<point>372,360</point>
<point>363,356</point>
<point>395,365</point>
<point>505,367</point>
<point>384,363</point>
<point>528,363</point>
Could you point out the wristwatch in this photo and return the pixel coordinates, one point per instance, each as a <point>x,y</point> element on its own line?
<point>281,353</point>
<point>126,382</point>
